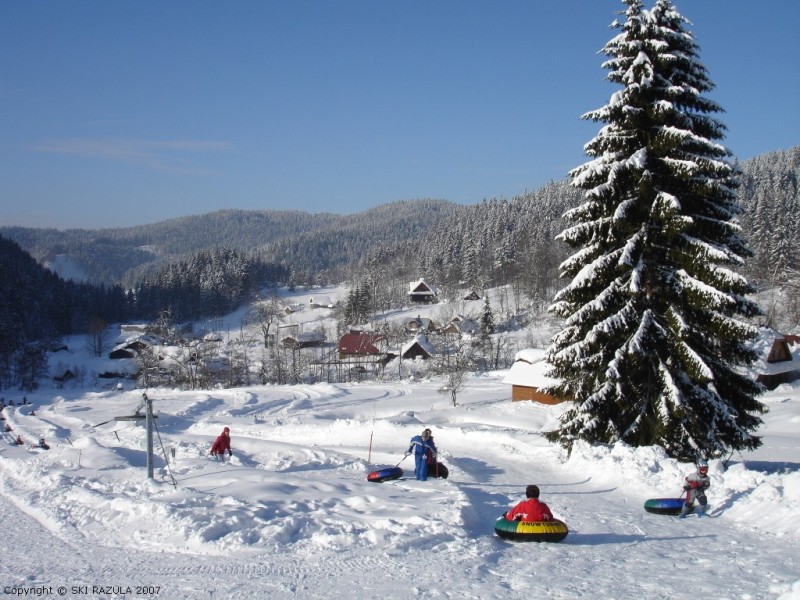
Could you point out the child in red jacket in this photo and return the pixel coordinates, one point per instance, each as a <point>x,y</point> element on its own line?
<point>222,443</point>
<point>530,509</point>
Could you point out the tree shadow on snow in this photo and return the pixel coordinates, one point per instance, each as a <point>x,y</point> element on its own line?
<point>769,467</point>
<point>137,458</point>
<point>577,493</point>
<point>477,469</point>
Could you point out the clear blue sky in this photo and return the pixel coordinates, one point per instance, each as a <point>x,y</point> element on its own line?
<point>125,112</point>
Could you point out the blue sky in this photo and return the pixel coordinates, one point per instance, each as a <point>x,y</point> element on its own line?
<point>120,113</point>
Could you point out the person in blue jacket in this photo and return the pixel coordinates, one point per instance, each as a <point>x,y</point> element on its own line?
<point>421,446</point>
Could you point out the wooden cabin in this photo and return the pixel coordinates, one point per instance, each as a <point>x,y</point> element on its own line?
<point>527,378</point>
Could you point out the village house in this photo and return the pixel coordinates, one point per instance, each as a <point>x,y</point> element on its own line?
<point>527,377</point>
<point>356,345</point>
<point>420,325</point>
<point>471,295</point>
<point>132,348</point>
<point>292,308</point>
<point>419,291</point>
<point>782,361</point>
<point>303,340</point>
<point>321,302</point>
<point>462,326</point>
<point>418,347</point>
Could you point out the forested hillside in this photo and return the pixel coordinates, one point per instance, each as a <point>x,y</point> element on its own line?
<point>317,241</point>
<point>770,195</point>
<point>494,242</point>
<point>205,265</point>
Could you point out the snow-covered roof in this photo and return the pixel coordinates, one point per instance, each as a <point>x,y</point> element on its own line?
<point>420,288</point>
<point>361,343</point>
<point>423,343</point>
<point>420,324</point>
<point>308,336</point>
<point>764,345</point>
<point>324,301</point>
<point>529,369</point>
<point>463,325</point>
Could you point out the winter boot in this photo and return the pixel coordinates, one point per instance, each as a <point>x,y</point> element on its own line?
<point>685,510</point>
<point>701,510</point>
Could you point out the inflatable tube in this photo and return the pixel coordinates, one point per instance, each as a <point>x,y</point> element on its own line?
<point>531,531</point>
<point>438,471</point>
<point>385,474</point>
<point>664,506</point>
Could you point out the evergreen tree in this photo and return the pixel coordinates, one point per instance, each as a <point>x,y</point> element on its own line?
<point>487,319</point>
<point>654,312</point>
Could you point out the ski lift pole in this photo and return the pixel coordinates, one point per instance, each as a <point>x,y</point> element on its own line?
<point>149,422</point>
<point>149,419</point>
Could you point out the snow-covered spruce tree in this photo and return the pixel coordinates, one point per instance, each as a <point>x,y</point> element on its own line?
<point>654,314</point>
<point>487,319</point>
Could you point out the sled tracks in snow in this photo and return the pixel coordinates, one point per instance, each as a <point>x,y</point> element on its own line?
<point>283,567</point>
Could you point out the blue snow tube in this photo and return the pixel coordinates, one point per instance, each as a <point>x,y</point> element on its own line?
<point>664,506</point>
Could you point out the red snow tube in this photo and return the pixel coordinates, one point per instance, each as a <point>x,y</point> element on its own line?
<point>531,531</point>
<point>385,474</point>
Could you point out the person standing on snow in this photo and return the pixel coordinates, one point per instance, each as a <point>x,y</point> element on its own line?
<point>530,509</point>
<point>433,463</point>
<point>422,448</point>
<point>696,485</point>
<point>222,443</point>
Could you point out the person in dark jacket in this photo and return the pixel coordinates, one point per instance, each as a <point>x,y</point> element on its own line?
<point>222,443</point>
<point>421,447</point>
<point>530,509</point>
<point>695,485</point>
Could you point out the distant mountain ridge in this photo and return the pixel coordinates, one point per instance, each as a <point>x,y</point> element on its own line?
<point>433,237</point>
<point>121,255</point>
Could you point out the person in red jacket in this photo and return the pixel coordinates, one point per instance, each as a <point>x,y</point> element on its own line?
<point>530,509</point>
<point>222,443</point>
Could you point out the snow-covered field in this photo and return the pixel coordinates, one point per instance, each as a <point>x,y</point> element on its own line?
<point>292,515</point>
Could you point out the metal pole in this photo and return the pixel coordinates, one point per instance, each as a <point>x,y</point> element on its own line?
<point>149,422</point>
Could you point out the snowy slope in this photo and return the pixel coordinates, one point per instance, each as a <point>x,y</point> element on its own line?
<point>292,515</point>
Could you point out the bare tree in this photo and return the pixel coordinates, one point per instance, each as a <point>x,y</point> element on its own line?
<point>456,372</point>
<point>188,361</point>
<point>147,360</point>
<point>266,312</point>
<point>97,327</point>
<point>164,326</point>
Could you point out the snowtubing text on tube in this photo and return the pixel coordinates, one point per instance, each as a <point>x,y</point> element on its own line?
<point>387,474</point>
<point>531,531</point>
<point>664,506</point>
